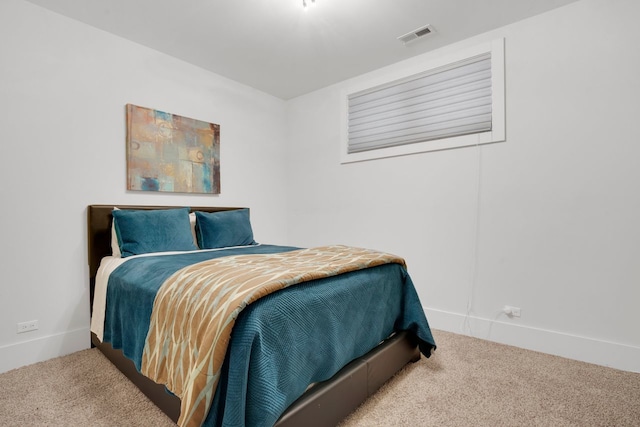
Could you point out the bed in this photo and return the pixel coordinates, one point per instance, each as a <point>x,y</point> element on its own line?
<point>324,402</point>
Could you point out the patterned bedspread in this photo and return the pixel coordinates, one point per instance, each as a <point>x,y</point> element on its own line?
<point>281,342</point>
<point>196,308</point>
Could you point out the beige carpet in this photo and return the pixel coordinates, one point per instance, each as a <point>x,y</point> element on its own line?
<point>466,382</point>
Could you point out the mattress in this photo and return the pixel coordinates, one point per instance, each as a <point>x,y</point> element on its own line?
<point>281,343</point>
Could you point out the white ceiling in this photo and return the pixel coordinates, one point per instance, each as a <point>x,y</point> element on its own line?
<point>280,48</point>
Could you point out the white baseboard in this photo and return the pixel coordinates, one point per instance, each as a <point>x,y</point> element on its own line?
<point>605,353</point>
<point>614,355</point>
<point>24,353</point>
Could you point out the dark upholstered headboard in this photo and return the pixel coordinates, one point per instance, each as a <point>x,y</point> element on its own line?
<point>99,220</point>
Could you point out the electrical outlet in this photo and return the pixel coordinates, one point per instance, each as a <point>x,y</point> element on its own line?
<point>511,311</point>
<point>31,325</point>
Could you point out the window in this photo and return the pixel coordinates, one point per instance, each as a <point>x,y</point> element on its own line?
<point>456,101</point>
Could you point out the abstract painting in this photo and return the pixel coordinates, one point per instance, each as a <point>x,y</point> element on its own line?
<point>171,153</point>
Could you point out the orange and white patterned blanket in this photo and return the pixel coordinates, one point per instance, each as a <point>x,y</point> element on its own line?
<point>195,310</point>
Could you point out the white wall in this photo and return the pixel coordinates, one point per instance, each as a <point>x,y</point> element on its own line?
<point>546,221</point>
<point>63,90</point>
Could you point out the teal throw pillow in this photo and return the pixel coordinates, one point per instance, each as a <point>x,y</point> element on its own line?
<point>224,229</point>
<point>146,231</point>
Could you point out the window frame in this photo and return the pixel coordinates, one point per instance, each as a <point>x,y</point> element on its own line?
<point>496,134</point>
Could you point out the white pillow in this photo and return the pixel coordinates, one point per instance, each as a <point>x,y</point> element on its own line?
<point>115,247</point>
<point>192,221</point>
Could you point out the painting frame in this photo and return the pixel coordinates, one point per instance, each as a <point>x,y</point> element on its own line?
<point>171,153</point>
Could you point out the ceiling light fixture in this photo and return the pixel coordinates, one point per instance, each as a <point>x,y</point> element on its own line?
<point>304,3</point>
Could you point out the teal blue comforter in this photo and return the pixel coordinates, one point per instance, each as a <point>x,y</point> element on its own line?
<point>281,343</point>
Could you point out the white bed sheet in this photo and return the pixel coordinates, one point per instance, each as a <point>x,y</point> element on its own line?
<point>107,265</point>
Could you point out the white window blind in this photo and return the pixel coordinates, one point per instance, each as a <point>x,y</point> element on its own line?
<point>451,100</point>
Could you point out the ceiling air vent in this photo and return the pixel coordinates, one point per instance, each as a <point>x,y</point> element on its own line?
<point>416,34</point>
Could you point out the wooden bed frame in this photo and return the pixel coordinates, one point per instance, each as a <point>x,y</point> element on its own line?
<point>324,404</point>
